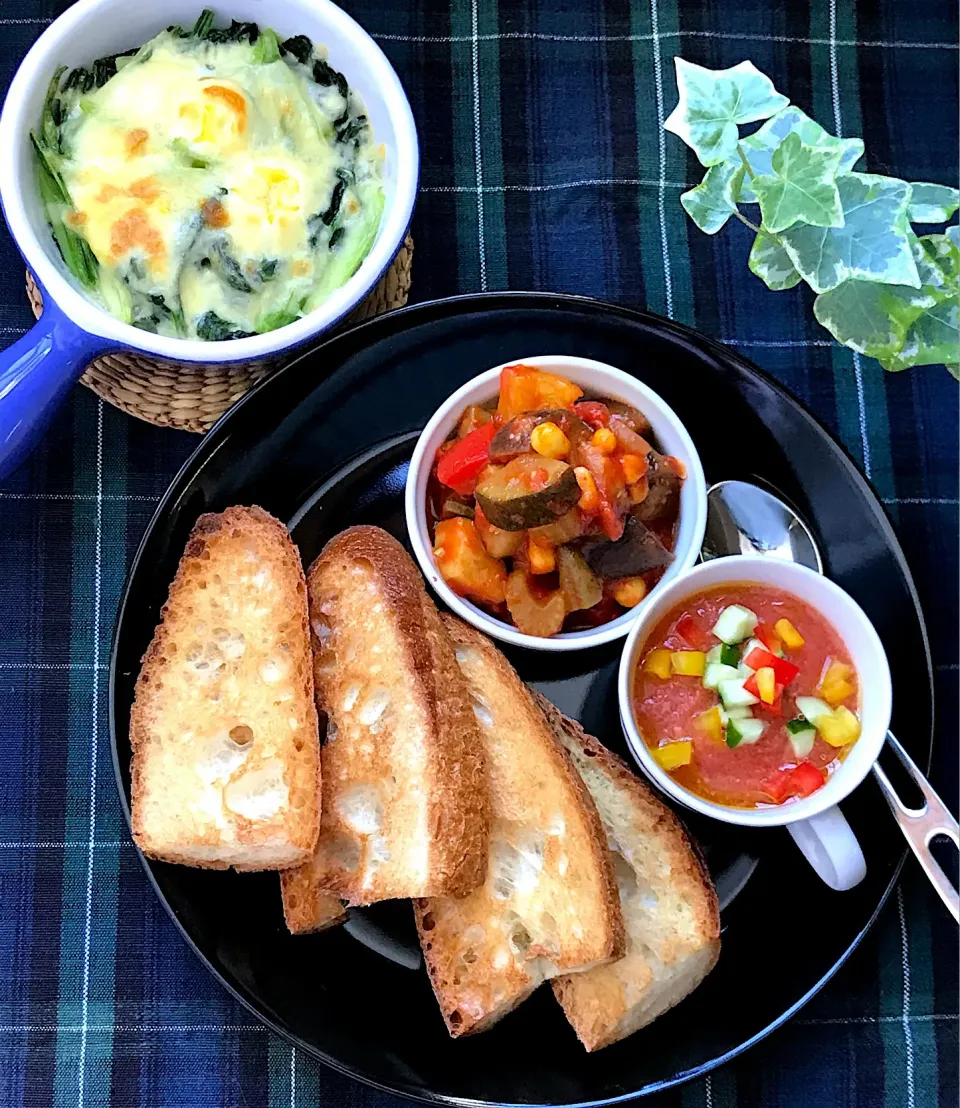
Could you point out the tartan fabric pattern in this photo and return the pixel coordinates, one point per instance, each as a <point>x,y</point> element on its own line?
<point>544,167</point>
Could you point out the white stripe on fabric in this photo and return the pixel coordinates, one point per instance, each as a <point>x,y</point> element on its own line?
<point>582,183</point>
<point>94,743</point>
<point>293,1077</point>
<point>77,496</point>
<point>50,845</point>
<point>843,1020</point>
<point>478,154</point>
<point>662,153</point>
<point>542,36</point>
<point>907,1030</point>
<point>51,665</point>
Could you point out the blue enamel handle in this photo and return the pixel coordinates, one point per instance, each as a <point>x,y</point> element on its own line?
<point>36,373</point>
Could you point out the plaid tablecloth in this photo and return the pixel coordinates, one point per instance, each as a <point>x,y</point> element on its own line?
<point>544,166</point>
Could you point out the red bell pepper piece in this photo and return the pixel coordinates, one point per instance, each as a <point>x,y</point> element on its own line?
<point>802,780</point>
<point>770,639</point>
<point>460,466</point>
<point>593,413</point>
<point>783,671</point>
<point>608,475</point>
<point>752,687</point>
<point>693,634</point>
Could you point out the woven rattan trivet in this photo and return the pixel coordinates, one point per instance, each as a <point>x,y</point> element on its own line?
<point>192,397</point>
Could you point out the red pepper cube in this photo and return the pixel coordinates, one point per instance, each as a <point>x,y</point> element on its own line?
<point>689,630</point>
<point>770,639</point>
<point>463,462</point>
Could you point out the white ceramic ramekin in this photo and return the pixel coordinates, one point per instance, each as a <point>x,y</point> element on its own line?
<point>815,822</point>
<point>596,379</point>
<point>73,330</point>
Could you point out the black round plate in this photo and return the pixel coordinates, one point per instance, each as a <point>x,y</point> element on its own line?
<point>325,443</point>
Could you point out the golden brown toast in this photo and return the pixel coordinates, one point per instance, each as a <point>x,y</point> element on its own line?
<point>223,727</point>
<point>549,902</point>
<point>668,900</point>
<point>404,799</point>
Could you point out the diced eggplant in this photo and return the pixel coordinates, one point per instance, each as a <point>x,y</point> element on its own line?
<point>663,496</point>
<point>635,552</point>
<point>534,610</point>
<point>454,507</point>
<point>580,586</point>
<point>634,418</point>
<point>628,439</point>
<point>530,491</point>
<point>513,439</point>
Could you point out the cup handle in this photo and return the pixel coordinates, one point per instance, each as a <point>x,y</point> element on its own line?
<point>829,845</point>
<point>36,373</point>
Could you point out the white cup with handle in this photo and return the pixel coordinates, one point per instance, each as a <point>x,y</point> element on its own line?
<point>815,822</point>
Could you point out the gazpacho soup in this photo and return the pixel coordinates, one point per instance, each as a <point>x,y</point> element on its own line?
<point>746,695</point>
<point>552,511</point>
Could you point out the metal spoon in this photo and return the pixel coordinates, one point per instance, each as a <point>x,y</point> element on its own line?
<point>745,519</point>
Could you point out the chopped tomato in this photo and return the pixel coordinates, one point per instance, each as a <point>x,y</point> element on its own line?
<point>593,413</point>
<point>612,491</point>
<point>783,670</point>
<point>462,463</point>
<point>690,631</point>
<point>770,639</point>
<point>803,780</point>
<point>464,563</point>
<point>526,389</point>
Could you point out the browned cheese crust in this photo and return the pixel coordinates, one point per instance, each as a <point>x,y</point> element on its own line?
<point>223,728</point>
<point>404,797</point>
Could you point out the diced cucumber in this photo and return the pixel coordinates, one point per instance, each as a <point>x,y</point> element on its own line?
<point>756,644</point>
<point>802,735</point>
<point>734,713</point>
<point>744,731</point>
<point>735,624</point>
<point>734,695</point>
<point>813,709</point>
<point>717,672</point>
<point>729,655</point>
<point>744,671</point>
<point>715,655</point>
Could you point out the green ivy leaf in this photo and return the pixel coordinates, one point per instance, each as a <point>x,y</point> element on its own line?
<point>760,146</point>
<point>931,340</point>
<point>802,187</point>
<point>711,203</point>
<point>771,263</point>
<point>932,203</point>
<point>712,103</point>
<point>872,245</point>
<point>953,234</point>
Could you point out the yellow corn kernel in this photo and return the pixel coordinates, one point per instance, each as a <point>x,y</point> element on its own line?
<point>657,662</point>
<point>604,440</point>
<point>674,755</point>
<point>710,723</point>
<point>589,494</point>
<point>629,591</point>
<point>840,729</point>
<point>634,467</point>
<point>767,684</point>
<point>688,663</point>
<point>792,639</point>
<point>542,557</point>
<point>548,440</point>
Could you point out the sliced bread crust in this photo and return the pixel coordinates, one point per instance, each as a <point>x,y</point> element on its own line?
<point>669,903</point>
<point>225,768</point>
<point>548,904</point>
<point>404,810</point>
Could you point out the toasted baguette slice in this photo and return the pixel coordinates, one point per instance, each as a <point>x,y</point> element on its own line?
<point>223,726</point>
<point>668,900</point>
<point>404,808</point>
<point>549,902</point>
<point>308,910</point>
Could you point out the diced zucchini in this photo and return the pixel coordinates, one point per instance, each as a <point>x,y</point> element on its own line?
<point>735,624</point>
<point>802,735</point>
<point>729,655</point>
<point>734,695</point>
<point>744,731</point>
<point>813,709</point>
<point>717,672</point>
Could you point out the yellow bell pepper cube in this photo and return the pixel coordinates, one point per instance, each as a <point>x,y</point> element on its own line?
<point>674,755</point>
<point>688,663</point>
<point>839,729</point>
<point>790,636</point>
<point>836,685</point>
<point>767,684</point>
<point>657,662</point>
<point>710,723</point>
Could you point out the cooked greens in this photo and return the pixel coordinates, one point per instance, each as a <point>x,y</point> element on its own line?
<point>214,183</point>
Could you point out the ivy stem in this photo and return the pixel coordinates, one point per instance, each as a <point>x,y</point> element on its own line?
<point>746,164</point>
<point>753,227</point>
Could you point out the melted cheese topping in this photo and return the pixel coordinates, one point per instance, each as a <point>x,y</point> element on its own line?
<point>204,182</point>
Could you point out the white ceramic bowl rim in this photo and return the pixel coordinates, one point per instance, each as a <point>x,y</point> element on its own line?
<point>860,638</point>
<point>292,17</point>
<point>609,381</point>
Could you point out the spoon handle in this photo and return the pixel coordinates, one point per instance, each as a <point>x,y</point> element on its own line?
<point>921,825</point>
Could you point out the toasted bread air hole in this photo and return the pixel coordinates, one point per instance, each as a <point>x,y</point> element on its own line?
<point>428,923</point>
<point>455,1018</point>
<point>241,734</point>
